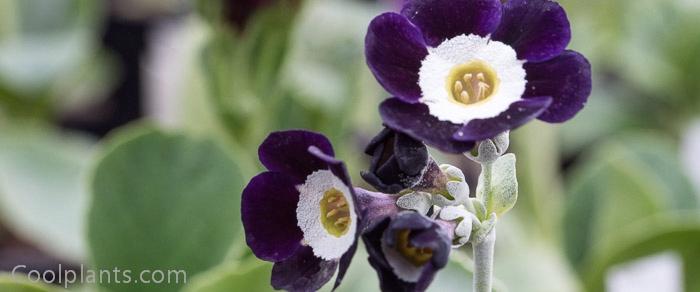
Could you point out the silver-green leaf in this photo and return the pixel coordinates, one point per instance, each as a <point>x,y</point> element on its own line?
<point>498,185</point>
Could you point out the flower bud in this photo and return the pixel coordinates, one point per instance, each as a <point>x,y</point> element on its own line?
<point>398,162</point>
<point>487,151</point>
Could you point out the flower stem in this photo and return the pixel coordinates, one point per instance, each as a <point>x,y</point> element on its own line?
<point>486,170</point>
<point>483,262</point>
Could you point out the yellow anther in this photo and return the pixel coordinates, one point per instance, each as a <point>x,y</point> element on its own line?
<point>472,82</point>
<point>335,212</point>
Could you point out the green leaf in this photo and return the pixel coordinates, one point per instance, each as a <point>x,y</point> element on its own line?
<point>252,276</point>
<point>678,232</point>
<point>15,284</point>
<point>499,189</point>
<point>162,201</point>
<point>625,181</point>
<point>327,46</point>
<point>46,39</point>
<point>243,71</point>
<point>43,190</point>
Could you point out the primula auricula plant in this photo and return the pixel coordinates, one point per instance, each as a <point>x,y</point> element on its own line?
<point>464,73</point>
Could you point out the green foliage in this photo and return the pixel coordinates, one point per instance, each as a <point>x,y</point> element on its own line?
<point>243,72</point>
<point>44,45</point>
<point>42,189</point>
<point>162,201</point>
<point>626,182</point>
<point>502,194</point>
<point>12,284</point>
<point>671,232</point>
<point>251,276</point>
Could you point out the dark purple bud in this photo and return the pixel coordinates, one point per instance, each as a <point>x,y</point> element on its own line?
<point>398,162</point>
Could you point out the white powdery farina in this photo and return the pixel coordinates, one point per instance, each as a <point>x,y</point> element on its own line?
<point>436,67</point>
<point>324,244</point>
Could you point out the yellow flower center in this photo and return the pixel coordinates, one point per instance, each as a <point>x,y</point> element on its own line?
<point>414,255</point>
<point>473,82</point>
<point>335,212</point>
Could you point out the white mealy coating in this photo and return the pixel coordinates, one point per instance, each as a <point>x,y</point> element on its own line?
<point>324,244</point>
<point>463,230</point>
<point>462,49</point>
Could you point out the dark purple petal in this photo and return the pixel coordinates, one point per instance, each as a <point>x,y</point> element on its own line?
<point>444,19</point>
<point>519,113</point>
<point>372,238</point>
<point>566,78</point>
<point>303,272</point>
<point>335,165</point>
<point>268,211</point>
<point>538,30</point>
<point>388,281</point>
<point>415,120</point>
<point>345,261</point>
<point>375,207</point>
<point>287,152</point>
<point>394,49</point>
<point>427,278</point>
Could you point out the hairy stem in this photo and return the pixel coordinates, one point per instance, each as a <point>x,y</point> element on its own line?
<point>486,171</point>
<point>483,262</point>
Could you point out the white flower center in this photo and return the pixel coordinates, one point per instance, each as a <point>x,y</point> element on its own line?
<point>470,77</point>
<point>325,214</point>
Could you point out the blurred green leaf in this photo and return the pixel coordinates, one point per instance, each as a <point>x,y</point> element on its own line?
<point>251,276</point>
<point>45,48</point>
<point>540,198</point>
<point>677,232</point>
<point>625,181</point>
<point>523,256</point>
<point>243,71</point>
<point>454,277</point>
<point>162,201</point>
<point>12,284</point>
<point>42,188</point>
<point>326,55</point>
<point>503,192</point>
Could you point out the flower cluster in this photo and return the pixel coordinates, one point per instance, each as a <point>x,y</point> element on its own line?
<point>463,74</point>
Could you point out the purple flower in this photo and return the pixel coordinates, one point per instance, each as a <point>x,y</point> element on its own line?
<point>408,249</point>
<point>301,214</point>
<point>466,70</point>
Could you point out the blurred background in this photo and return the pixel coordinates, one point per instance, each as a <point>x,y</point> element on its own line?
<point>129,127</point>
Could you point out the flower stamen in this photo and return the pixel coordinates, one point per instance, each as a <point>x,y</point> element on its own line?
<point>335,212</point>
<point>416,256</point>
<point>472,82</point>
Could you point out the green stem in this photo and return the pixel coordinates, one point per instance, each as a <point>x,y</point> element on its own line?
<point>483,262</point>
<point>486,170</point>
